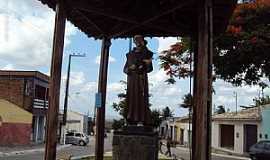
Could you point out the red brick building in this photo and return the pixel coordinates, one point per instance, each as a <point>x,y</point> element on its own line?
<point>29,91</point>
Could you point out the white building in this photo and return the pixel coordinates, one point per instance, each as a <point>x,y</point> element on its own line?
<point>236,132</point>
<point>77,122</point>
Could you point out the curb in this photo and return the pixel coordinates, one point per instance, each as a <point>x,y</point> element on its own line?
<point>230,156</point>
<point>81,157</point>
<point>219,155</point>
<point>2,154</point>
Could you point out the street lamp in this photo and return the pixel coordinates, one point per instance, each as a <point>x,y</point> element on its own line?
<point>66,93</point>
<point>67,85</point>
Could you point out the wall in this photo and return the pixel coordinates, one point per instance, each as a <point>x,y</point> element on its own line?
<point>185,127</point>
<point>238,129</point>
<point>265,127</point>
<point>74,116</point>
<point>16,124</point>
<point>13,91</point>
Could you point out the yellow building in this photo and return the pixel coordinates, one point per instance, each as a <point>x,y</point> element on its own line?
<point>15,124</point>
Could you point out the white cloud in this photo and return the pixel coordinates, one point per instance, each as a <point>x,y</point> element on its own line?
<point>76,78</point>
<point>8,67</point>
<point>111,59</point>
<point>116,87</point>
<point>165,43</point>
<point>163,94</point>
<point>28,33</point>
<point>90,87</point>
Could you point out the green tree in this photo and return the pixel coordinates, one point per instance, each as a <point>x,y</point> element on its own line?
<point>241,54</point>
<point>220,109</point>
<point>166,113</point>
<point>262,100</point>
<point>156,116</point>
<point>187,101</point>
<point>118,124</point>
<point>122,108</point>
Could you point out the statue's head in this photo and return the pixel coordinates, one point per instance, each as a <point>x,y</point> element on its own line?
<point>139,41</point>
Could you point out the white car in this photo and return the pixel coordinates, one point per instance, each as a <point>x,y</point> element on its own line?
<point>77,138</point>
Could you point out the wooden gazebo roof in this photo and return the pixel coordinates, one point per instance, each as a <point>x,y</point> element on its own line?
<point>126,18</point>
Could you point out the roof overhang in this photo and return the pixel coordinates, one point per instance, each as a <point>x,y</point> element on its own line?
<point>150,18</point>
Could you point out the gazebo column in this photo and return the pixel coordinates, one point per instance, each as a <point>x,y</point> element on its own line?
<point>102,87</point>
<point>55,79</point>
<point>203,84</point>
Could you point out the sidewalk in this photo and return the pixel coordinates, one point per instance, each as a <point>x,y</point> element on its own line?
<point>184,149</point>
<point>19,150</point>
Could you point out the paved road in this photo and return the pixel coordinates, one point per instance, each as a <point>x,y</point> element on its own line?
<point>73,150</point>
<point>90,148</point>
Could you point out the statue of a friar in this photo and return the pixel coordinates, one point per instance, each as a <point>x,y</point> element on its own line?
<point>138,64</point>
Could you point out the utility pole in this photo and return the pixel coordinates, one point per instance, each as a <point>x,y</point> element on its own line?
<point>67,92</point>
<point>235,95</point>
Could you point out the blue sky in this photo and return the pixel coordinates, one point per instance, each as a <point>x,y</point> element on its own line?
<point>26,33</point>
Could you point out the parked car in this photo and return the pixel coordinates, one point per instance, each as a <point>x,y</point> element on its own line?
<point>77,138</point>
<point>260,151</point>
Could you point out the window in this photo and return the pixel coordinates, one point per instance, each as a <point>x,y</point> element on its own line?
<point>259,145</point>
<point>78,135</point>
<point>267,146</point>
<point>70,134</point>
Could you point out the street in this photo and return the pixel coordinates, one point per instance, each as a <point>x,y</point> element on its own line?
<point>72,150</point>
<point>90,149</point>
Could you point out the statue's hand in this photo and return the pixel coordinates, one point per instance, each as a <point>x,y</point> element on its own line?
<point>132,67</point>
<point>147,61</point>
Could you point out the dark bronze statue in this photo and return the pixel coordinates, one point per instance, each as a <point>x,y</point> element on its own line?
<point>138,64</point>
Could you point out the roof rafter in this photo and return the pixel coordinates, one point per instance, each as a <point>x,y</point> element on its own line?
<point>123,18</point>
<point>89,21</point>
<point>155,17</point>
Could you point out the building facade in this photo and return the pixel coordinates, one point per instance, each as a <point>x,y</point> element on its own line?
<point>15,124</point>
<point>265,127</point>
<point>77,122</point>
<point>28,90</point>
<point>236,132</point>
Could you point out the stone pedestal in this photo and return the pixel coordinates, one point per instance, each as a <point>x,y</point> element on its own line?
<point>135,143</point>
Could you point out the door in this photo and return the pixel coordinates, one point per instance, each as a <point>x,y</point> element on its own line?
<point>227,136</point>
<point>182,136</point>
<point>250,135</point>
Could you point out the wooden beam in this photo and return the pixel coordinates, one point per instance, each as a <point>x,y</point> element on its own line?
<point>54,84</point>
<point>210,76</point>
<point>203,84</point>
<point>102,88</point>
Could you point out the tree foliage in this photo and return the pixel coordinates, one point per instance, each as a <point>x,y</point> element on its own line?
<point>122,108</point>
<point>262,100</point>
<point>241,54</point>
<point>187,101</point>
<point>156,116</point>
<point>220,109</point>
<point>166,112</point>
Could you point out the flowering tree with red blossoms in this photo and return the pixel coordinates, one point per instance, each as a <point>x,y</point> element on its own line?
<point>241,54</point>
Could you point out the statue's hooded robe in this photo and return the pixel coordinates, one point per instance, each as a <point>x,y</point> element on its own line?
<point>137,86</point>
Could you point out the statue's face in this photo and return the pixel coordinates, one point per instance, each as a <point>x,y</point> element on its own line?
<point>139,41</point>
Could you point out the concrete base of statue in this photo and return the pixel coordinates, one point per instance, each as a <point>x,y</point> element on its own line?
<point>135,143</point>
